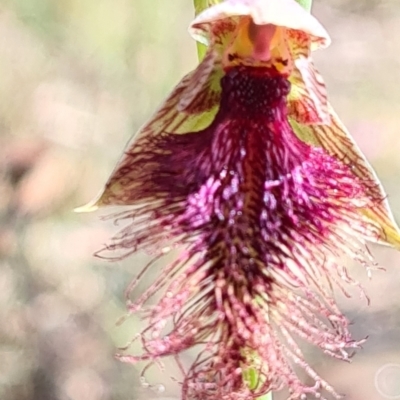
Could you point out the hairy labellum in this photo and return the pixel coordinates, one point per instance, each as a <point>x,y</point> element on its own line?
<point>249,174</point>
<point>260,217</point>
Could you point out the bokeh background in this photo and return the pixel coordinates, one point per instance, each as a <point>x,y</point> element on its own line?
<point>77,78</point>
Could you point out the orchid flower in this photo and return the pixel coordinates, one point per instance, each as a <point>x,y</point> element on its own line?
<point>259,190</point>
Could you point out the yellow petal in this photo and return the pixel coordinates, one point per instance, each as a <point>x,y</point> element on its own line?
<point>336,140</point>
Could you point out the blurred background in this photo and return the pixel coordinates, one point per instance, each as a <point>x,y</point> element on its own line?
<point>77,79</point>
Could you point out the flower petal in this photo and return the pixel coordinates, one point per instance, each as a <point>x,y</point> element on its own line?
<point>191,107</point>
<point>285,13</point>
<point>337,141</point>
<point>308,100</point>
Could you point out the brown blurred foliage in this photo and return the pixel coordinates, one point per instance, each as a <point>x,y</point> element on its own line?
<point>77,78</point>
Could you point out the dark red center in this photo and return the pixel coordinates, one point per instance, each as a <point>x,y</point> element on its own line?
<point>253,92</point>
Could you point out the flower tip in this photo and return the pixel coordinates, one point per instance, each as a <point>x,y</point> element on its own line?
<point>390,231</point>
<point>393,237</point>
<point>89,207</point>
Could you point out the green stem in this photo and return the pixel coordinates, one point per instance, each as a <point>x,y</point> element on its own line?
<point>307,4</point>
<point>199,6</point>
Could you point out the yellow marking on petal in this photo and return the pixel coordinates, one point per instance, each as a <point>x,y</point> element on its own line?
<point>241,45</point>
<point>258,46</point>
<point>281,56</point>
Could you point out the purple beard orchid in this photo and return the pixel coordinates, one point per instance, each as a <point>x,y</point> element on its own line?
<point>247,171</point>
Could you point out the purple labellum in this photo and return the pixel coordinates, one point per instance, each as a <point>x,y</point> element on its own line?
<point>259,217</point>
